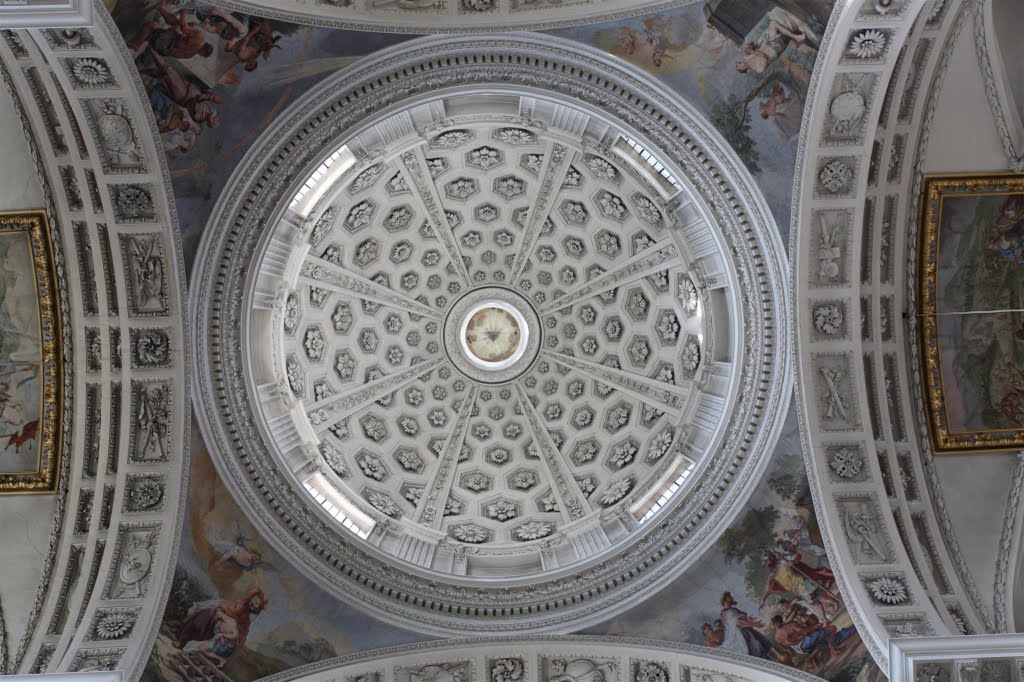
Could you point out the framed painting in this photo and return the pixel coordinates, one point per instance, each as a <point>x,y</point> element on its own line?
<point>31,374</point>
<point>971,311</point>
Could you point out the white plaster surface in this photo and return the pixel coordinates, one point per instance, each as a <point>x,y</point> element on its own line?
<point>975,487</point>
<point>963,137</point>
<point>1008,21</point>
<point>25,520</point>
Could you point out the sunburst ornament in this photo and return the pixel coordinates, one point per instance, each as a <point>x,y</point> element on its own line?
<point>867,44</point>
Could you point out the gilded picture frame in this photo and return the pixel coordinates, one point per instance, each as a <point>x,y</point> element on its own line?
<point>31,369</point>
<point>970,335</point>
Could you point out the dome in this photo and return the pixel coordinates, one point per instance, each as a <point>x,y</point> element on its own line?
<point>490,335</point>
<point>489,350</point>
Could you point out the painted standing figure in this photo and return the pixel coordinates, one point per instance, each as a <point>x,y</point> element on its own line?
<point>739,631</point>
<point>790,575</point>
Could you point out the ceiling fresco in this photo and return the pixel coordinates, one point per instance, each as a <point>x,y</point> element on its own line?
<point>210,109</point>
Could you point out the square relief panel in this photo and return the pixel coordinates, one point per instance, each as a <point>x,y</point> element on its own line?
<point>837,408</point>
<point>849,102</point>
<point>864,528</point>
<point>459,671</point>
<point>836,177</point>
<point>830,266</point>
<point>648,671</point>
<point>566,669</point>
<point>830,319</point>
<point>847,463</point>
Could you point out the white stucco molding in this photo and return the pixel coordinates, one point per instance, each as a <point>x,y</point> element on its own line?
<point>957,659</point>
<point>882,516</point>
<point>112,550</point>
<point>537,659</point>
<point>46,14</point>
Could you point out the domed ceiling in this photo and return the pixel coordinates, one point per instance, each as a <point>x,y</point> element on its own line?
<point>508,381</point>
<point>486,330</point>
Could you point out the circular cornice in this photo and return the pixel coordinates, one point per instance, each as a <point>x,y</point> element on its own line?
<point>507,659</point>
<point>719,192</point>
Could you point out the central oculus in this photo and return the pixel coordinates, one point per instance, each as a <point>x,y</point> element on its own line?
<point>492,334</point>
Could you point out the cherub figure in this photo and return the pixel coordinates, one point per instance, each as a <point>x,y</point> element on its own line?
<point>776,98</point>
<point>240,556</point>
<point>658,53</point>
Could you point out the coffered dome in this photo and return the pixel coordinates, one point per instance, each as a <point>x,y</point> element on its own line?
<point>487,350</point>
<point>492,335</point>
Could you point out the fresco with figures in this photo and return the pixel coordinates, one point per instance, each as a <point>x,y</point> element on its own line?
<point>983,354</point>
<point>28,365</point>
<point>972,288</point>
<point>745,64</point>
<point>238,607</point>
<point>765,590</point>
<point>217,79</point>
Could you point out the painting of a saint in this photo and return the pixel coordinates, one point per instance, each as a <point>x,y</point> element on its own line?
<point>800,620</point>
<point>781,29</point>
<point>765,590</point>
<point>808,636</point>
<point>746,64</point>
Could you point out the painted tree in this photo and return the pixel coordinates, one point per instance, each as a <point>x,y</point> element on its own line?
<point>732,118</point>
<point>790,482</point>
<point>742,542</point>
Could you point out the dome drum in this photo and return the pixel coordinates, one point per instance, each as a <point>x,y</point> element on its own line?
<point>489,338</point>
